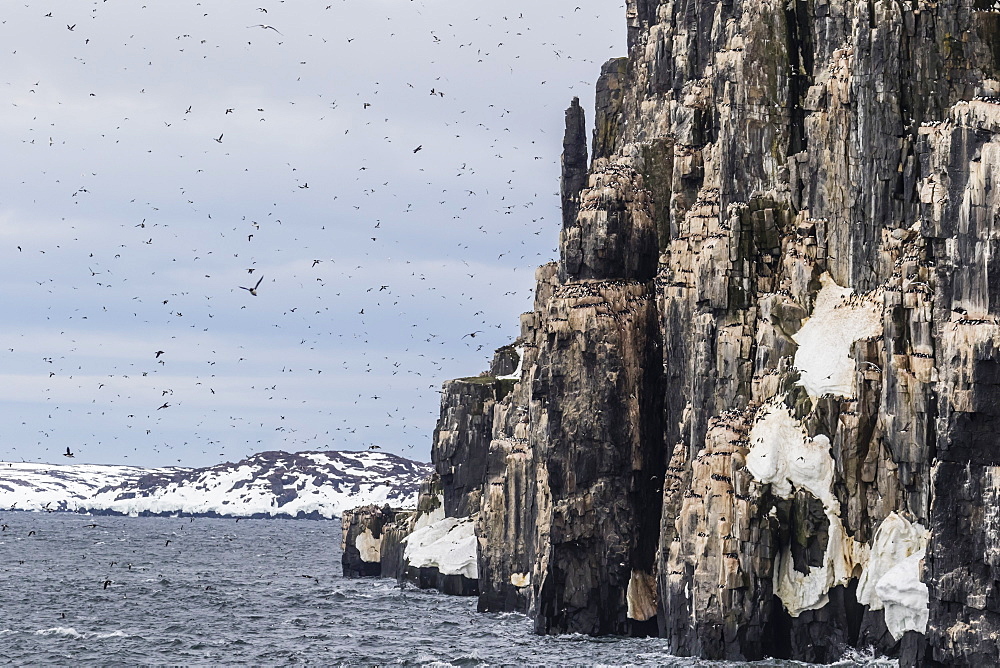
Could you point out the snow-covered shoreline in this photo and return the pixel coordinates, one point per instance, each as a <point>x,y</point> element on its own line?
<point>317,485</point>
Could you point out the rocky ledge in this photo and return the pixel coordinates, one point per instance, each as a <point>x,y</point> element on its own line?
<point>756,403</point>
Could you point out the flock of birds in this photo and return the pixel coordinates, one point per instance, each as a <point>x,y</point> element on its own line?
<point>379,186</point>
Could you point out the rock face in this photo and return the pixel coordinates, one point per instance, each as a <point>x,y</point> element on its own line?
<point>828,319</point>
<point>421,546</point>
<point>757,404</point>
<point>363,530</point>
<point>462,439</point>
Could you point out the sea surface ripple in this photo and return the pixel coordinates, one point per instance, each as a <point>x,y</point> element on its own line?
<point>182,591</point>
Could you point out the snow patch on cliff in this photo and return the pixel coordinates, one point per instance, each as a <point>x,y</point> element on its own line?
<point>449,545</point>
<point>839,318</point>
<point>520,579</point>
<point>904,596</point>
<point>516,375</point>
<point>893,568</point>
<point>895,539</point>
<point>369,546</point>
<point>426,519</point>
<point>784,456</point>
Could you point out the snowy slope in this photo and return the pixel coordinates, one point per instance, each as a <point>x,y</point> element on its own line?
<point>28,486</point>
<point>268,484</point>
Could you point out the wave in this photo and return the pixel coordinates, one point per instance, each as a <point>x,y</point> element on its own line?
<point>864,657</point>
<point>113,634</point>
<point>70,632</point>
<point>66,631</point>
<point>428,661</point>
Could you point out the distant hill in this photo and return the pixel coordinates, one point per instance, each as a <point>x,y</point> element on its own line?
<point>268,484</point>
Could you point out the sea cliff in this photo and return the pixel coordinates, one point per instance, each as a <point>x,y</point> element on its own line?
<point>756,406</point>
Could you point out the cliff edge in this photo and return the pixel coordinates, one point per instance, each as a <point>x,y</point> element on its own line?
<point>756,409</point>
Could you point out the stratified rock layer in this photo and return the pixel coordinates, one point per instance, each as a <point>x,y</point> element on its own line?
<point>756,404</point>
<point>775,314</point>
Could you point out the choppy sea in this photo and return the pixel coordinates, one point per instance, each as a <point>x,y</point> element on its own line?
<point>110,591</point>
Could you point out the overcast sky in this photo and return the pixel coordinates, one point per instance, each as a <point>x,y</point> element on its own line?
<point>158,157</point>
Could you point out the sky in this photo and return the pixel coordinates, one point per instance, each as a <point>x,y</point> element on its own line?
<point>386,170</point>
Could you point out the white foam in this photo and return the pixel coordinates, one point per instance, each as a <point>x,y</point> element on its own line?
<point>113,634</point>
<point>67,631</point>
<point>867,656</point>
<point>824,353</point>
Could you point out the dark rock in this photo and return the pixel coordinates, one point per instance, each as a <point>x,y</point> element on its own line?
<point>608,103</point>
<point>393,533</point>
<point>363,527</point>
<point>962,567</point>
<point>574,162</point>
<point>768,359</point>
<point>462,441</point>
<point>506,361</point>
<point>429,577</point>
<point>595,426</point>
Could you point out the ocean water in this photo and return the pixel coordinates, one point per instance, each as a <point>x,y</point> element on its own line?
<point>217,592</point>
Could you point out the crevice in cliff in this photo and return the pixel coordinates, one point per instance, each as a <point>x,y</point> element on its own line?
<point>798,22</point>
<point>658,176</point>
<point>779,631</point>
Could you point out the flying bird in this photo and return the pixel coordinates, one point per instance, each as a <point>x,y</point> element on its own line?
<point>266,27</point>
<point>253,290</point>
<point>68,453</point>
